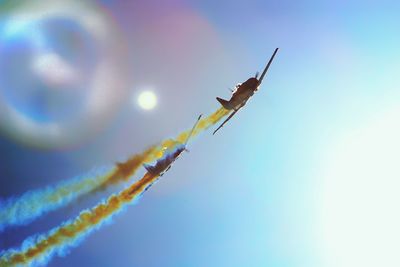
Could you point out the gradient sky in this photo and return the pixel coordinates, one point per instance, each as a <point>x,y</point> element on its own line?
<point>306,175</point>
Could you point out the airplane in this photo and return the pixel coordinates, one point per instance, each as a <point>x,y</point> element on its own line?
<point>164,164</point>
<point>243,92</point>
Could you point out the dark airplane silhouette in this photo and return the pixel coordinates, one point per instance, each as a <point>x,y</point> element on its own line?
<point>165,163</point>
<point>243,92</point>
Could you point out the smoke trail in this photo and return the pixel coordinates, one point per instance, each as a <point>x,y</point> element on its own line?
<point>39,249</point>
<point>32,205</point>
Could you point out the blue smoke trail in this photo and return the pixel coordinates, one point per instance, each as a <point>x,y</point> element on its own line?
<point>31,205</point>
<point>24,209</point>
<point>39,249</point>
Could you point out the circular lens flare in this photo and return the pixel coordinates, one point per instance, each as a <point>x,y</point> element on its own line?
<point>62,65</point>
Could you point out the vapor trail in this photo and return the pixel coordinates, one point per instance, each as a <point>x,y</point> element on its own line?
<point>40,249</point>
<point>33,204</point>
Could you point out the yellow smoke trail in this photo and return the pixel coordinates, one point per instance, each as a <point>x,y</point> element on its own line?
<point>203,124</point>
<point>34,204</point>
<point>69,232</point>
<point>43,247</point>
<point>123,171</point>
<point>128,168</point>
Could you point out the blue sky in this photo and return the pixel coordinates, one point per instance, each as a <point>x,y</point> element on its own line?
<point>273,187</point>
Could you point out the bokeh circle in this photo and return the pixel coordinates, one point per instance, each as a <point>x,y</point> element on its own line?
<point>63,71</point>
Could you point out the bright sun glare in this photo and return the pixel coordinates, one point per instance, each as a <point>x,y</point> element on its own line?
<point>360,197</point>
<point>147,100</point>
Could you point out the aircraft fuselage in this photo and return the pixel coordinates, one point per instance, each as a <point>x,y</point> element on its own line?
<point>243,92</point>
<point>162,165</point>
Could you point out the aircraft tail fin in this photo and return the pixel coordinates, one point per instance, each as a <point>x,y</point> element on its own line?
<point>149,168</point>
<point>224,103</point>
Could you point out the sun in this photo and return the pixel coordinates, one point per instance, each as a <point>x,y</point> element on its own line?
<point>147,100</point>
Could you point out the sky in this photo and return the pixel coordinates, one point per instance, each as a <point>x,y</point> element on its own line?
<point>305,175</point>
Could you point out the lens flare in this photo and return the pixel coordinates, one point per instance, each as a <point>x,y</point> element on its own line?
<point>62,64</point>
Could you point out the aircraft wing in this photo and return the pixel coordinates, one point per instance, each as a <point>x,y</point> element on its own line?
<point>267,67</point>
<point>227,119</point>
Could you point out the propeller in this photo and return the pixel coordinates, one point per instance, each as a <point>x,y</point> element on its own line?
<point>256,76</point>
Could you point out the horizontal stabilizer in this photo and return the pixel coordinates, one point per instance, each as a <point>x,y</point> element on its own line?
<point>224,103</point>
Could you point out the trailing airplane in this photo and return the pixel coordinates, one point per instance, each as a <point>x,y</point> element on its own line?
<point>164,164</point>
<point>243,92</point>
